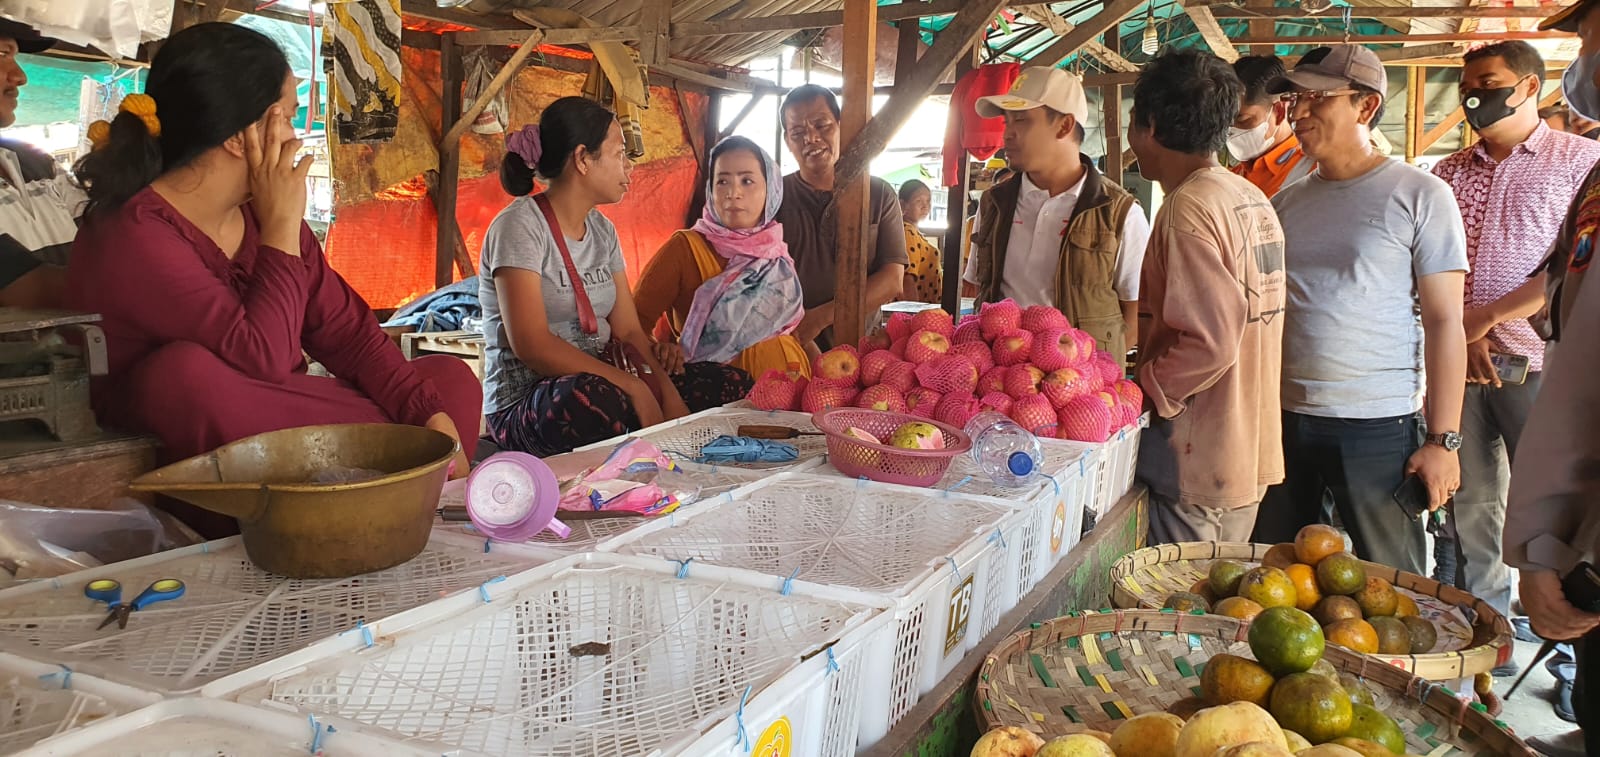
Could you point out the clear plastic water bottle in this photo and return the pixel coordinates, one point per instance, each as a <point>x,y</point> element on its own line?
<point>1007,452</point>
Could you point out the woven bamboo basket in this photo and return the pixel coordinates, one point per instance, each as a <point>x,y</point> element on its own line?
<point>1091,671</point>
<point>1473,637</point>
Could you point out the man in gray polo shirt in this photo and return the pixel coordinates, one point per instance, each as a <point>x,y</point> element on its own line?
<point>1376,260</point>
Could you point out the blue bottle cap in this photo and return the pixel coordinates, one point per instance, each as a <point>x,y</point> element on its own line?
<point>1020,464</point>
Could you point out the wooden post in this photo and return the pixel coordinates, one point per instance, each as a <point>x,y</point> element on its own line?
<point>1415,77</point>
<point>910,38</point>
<point>850,282</point>
<point>1112,95</point>
<point>451,75</point>
<point>956,212</point>
<point>655,20</point>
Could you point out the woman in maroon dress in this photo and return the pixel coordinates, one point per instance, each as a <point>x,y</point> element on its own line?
<point>213,289</point>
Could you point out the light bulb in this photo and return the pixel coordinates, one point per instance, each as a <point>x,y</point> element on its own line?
<point>1151,42</point>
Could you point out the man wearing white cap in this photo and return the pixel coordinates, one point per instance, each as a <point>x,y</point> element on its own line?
<point>1058,233</point>
<point>39,205</point>
<point>1376,258</point>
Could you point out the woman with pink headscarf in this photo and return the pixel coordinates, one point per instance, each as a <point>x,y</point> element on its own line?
<point>727,286</point>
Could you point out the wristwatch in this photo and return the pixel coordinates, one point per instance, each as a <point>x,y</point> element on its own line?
<point>1450,440</point>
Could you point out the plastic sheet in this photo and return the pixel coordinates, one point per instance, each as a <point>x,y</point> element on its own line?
<point>42,542</point>
<point>115,26</point>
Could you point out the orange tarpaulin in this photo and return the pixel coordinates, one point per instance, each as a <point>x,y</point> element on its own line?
<point>383,236</point>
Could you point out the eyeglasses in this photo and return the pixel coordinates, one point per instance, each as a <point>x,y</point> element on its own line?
<point>1312,97</point>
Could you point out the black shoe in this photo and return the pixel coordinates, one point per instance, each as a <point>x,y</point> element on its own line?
<point>1522,629</point>
<point>1508,670</point>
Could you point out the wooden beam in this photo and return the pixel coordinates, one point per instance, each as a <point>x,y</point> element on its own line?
<point>420,40</point>
<point>1103,52</point>
<point>655,22</point>
<point>814,20</point>
<point>1112,115</point>
<point>1210,30</point>
<point>932,68</point>
<point>728,80</point>
<point>956,211</point>
<point>1401,54</point>
<point>451,77</point>
<point>1110,14</point>
<point>576,36</point>
<point>1226,10</point>
<point>1416,77</point>
<point>853,193</point>
<point>1396,39</point>
<point>907,45</point>
<point>510,69</point>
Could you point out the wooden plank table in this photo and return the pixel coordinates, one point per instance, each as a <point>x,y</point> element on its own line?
<point>943,723</point>
<point>90,473</point>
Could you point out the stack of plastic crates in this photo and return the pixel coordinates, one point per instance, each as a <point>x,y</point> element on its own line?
<point>602,655</point>
<point>195,727</point>
<point>232,616</point>
<point>714,483</point>
<point>683,438</point>
<point>38,701</point>
<point>943,560</point>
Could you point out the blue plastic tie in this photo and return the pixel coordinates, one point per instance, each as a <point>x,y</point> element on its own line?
<point>486,543</point>
<point>205,548</point>
<point>953,567</point>
<point>683,567</point>
<point>468,527</point>
<point>957,485</point>
<point>65,674</point>
<point>861,482</point>
<point>833,664</point>
<point>998,537</point>
<point>55,583</point>
<point>738,717</point>
<point>366,632</point>
<point>788,583</point>
<point>1056,483</point>
<point>483,588</point>
<point>1122,435</point>
<point>1081,469</point>
<point>317,732</point>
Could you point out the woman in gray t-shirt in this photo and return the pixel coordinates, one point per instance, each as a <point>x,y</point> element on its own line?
<point>549,315</point>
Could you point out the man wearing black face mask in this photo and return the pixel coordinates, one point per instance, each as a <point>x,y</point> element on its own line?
<point>1513,188</point>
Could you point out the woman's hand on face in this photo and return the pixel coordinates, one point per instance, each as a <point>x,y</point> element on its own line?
<point>277,181</point>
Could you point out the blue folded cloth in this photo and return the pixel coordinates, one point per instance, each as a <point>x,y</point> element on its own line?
<point>743,449</point>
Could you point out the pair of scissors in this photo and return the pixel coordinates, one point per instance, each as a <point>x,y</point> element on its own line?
<point>109,591</point>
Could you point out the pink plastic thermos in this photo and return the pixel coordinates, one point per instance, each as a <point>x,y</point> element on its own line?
<point>512,496</point>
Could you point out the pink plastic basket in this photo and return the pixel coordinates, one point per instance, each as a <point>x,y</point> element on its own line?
<point>881,462</point>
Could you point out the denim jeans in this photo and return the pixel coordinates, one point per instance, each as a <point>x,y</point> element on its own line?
<point>1360,462</point>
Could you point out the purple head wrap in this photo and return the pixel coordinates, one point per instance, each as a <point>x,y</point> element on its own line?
<point>525,143</point>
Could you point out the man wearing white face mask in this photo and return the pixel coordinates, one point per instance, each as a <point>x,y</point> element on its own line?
<point>1513,188</point>
<point>1261,139</point>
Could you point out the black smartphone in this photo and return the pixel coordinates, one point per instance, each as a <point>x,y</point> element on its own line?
<point>1582,587</point>
<point>1412,497</point>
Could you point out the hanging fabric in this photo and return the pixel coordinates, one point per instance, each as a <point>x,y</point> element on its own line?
<point>601,88</point>
<point>366,71</point>
<point>479,74</point>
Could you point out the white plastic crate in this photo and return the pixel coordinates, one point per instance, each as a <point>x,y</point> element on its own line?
<point>233,615</point>
<point>601,655</point>
<point>684,437</point>
<point>1054,504</point>
<point>716,483</point>
<point>944,559</point>
<point>195,727</point>
<point>38,701</point>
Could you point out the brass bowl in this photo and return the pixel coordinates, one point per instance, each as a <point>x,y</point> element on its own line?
<point>295,527</point>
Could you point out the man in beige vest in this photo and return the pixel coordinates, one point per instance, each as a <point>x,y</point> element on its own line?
<point>1058,233</point>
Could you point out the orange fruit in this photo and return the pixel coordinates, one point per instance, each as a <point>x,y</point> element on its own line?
<point>1304,578</point>
<point>1225,575</point>
<point>1268,587</point>
<point>1229,678</point>
<point>1378,598</point>
<point>1317,541</point>
<point>1203,588</point>
<point>1393,636</point>
<point>1407,607</point>
<point>1238,607</point>
<point>1183,601</point>
<point>1335,608</point>
<point>1280,556</point>
<point>1353,634</point>
<point>1341,573</point>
